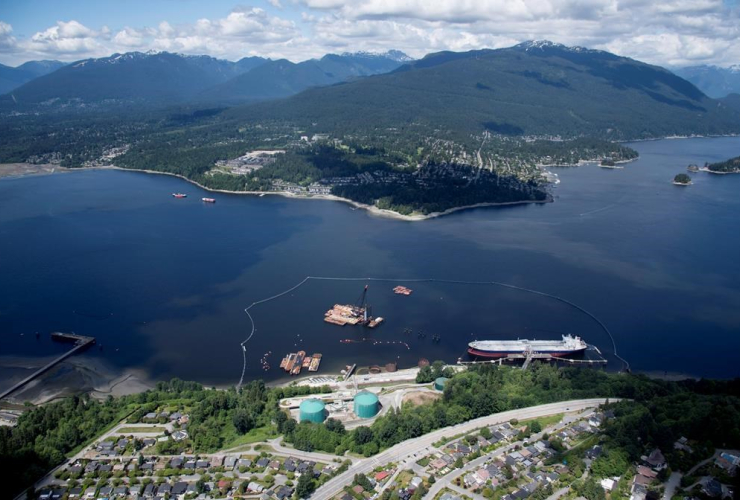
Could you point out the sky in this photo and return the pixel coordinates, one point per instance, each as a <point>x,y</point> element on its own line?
<point>669,33</point>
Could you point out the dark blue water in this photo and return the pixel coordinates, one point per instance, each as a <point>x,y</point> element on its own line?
<point>162,283</point>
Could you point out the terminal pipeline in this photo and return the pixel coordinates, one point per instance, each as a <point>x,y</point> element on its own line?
<point>625,364</point>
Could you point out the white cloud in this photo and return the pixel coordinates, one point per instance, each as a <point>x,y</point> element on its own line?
<point>673,32</point>
<point>7,41</point>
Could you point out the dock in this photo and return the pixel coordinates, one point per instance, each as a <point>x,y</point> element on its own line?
<point>529,356</point>
<point>80,342</point>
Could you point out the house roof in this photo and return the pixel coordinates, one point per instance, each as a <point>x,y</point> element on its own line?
<point>656,458</point>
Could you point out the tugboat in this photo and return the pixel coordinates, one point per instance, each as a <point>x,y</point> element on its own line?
<point>179,195</point>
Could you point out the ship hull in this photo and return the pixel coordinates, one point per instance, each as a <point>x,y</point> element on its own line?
<point>503,354</point>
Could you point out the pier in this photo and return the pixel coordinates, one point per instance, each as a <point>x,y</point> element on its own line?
<point>529,356</point>
<point>80,343</point>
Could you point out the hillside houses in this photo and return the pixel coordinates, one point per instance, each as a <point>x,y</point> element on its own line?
<point>174,478</point>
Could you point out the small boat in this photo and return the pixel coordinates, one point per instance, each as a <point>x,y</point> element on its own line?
<point>375,322</point>
<point>209,200</point>
<point>179,195</point>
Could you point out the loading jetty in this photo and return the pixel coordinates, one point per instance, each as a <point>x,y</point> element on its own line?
<point>80,342</point>
<point>529,355</point>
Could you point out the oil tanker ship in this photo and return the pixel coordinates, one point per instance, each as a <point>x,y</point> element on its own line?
<point>569,345</point>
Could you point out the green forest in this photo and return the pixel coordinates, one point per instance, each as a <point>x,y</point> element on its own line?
<point>729,166</point>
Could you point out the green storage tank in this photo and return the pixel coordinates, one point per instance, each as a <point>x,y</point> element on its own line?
<point>312,410</point>
<point>366,404</point>
<point>440,382</point>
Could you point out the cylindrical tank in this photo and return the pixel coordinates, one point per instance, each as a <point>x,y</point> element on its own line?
<point>440,382</point>
<point>312,410</point>
<point>366,404</point>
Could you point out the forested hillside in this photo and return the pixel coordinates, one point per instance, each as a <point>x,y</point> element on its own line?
<point>529,89</point>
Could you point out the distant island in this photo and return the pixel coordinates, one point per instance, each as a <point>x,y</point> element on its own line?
<point>731,166</point>
<point>682,180</point>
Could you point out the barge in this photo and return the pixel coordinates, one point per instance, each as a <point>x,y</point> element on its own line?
<point>294,362</point>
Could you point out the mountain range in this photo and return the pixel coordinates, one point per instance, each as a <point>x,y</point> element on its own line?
<point>712,80</point>
<point>534,88</point>
<point>168,78</point>
<point>11,78</point>
<point>282,78</point>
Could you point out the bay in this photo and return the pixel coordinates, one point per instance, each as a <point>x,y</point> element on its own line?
<point>162,283</point>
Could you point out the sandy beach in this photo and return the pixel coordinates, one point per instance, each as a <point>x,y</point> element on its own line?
<point>76,375</point>
<point>12,170</point>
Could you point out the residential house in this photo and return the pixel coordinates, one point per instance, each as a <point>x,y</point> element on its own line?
<point>415,482</point>
<point>179,435</point>
<point>283,492</point>
<point>164,489</point>
<point>712,488</point>
<point>656,460</point>
<point>255,487</point>
<point>179,488</point>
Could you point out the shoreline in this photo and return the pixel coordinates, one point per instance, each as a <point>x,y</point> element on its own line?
<point>582,163</point>
<point>329,197</point>
<point>673,137</point>
<point>705,169</point>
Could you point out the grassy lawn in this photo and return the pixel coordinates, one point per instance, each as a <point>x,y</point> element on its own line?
<point>404,478</point>
<point>254,436</point>
<point>423,462</point>
<point>134,430</point>
<point>451,492</point>
<point>545,421</point>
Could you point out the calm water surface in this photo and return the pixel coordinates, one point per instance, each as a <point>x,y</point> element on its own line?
<point>163,283</point>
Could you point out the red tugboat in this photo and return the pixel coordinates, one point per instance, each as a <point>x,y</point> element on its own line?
<point>209,200</point>
<point>179,195</point>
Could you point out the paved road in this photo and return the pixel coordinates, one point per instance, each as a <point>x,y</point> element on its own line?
<point>670,487</point>
<point>558,494</point>
<point>410,449</point>
<point>305,455</point>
